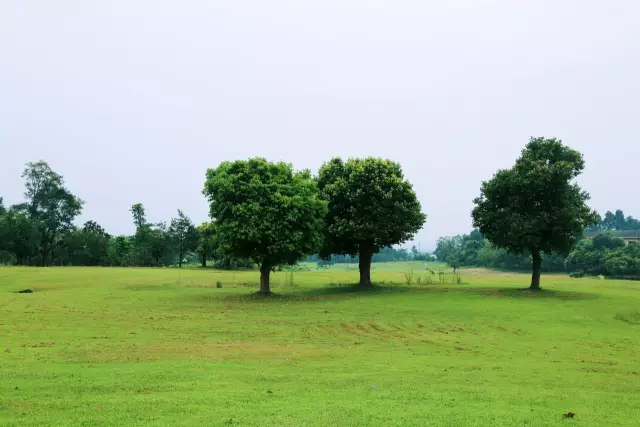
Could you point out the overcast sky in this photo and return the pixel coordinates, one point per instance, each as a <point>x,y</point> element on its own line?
<point>131,101</point>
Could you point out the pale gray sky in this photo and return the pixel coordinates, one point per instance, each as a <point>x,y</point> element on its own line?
<point>132,100</point>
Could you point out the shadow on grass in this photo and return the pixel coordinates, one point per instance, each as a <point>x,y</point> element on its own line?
<point>529,294</point>
<point>346,291</point>
<point>332,291</point>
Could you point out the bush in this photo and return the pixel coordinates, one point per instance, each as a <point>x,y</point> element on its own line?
<point>577,273</point>
<point>218,284</point>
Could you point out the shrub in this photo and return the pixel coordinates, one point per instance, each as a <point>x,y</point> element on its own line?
<point>408,277</point>
<point>577,273</point>
<point>218,284</point>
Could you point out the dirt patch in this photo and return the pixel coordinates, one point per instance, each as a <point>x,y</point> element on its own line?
<point>184,351</point>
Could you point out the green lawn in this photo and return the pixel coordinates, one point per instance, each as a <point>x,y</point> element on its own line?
<point>119,347</point>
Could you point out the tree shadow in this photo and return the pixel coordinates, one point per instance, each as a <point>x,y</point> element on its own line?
<point>346,290</point>
<point>541,294</point>
<point>332,291</point>
<point>349,289</point>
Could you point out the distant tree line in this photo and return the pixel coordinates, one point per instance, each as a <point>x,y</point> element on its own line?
<point>473,250</point>
<point>387,254</point>
<point>41,232</point>
<point>604,254</point>
<point>616,221</point>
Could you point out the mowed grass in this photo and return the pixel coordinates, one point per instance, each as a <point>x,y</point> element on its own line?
<point>158,347</point>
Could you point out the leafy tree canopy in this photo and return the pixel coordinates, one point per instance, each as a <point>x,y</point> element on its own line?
<point>371,206</point>
<point>535,206</point>
<point>265,212</point>
<point>183,235</point>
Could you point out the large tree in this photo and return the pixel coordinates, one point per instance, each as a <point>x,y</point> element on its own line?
<point>535,206</point>
<point>265,212</point>
<point>49,204</point>
<point>371,206</point>
<point>183,235</point>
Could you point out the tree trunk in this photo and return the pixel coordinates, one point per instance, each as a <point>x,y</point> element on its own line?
<point>265,271</point>
<point>180,260</point>
<point>204,260</point>
<point>365,267</point>
<point>536,264</point>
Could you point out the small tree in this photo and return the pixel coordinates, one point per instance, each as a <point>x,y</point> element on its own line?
<point>535,206</point>
<point>265,212</point>
<point>206,241</point>
<point>183,235</point>
<point>371,206</point>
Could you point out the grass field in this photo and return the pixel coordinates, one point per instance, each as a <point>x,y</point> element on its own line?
<point>119,347</point>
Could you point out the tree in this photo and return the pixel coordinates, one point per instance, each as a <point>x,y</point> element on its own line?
<point>151,243</point>
<point>19,235</point>
<point>620,220</point>
<point>159,244</point>
<point>535,206</point>
<point>2,208</point>
<point>414,252</point>
<point>445,246</point>
<point>265,212</point>
<point>632,223</point>
<point>139,216</point>
<point>455,260</point>
<point>371,206</point>
<point>95,244</point>
<point>609,221</point>
<point>49,204</point>
<point>120,251</point>
<point>183,235</point>
<point>206,241</point>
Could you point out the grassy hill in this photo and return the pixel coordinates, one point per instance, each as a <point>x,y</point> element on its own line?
<point>162,347</point>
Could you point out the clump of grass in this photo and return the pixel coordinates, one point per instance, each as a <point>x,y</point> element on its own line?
<point>408,277</point>
<point>456,279</point>
<point>218,284</point>
<point>632,317</point>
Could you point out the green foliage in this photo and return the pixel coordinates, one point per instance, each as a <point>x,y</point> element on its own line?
<point>265,212</point>
<point>183,235</point>
<point>446,246</point>
<point>371,206</point>
<point>19,236</point>
<point>577,273</point>
<point>387,254</point>
<point>606,255</point>
<point>535,206</point>
<point>206,242</point>
<point>120,251</point>
<point>49,205</point>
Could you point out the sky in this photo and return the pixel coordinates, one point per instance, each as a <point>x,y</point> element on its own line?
<point>131,101</point>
